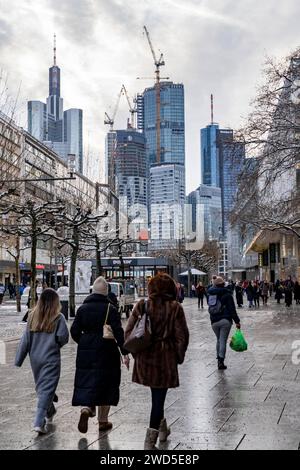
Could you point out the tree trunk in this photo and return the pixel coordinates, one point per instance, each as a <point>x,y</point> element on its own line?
<point>122,265</point>
<point>98,258</point>
<point>33,266</point>
<point>18,280</point>
<point>74,254</point>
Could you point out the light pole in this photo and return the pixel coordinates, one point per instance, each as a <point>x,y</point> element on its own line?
<point>189,264</point>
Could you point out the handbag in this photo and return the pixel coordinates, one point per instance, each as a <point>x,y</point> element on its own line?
<point>140,337</point>
<point>107,329</point>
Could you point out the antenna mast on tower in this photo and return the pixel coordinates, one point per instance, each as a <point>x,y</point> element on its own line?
<point>54,50</point>
<point>212,108</point>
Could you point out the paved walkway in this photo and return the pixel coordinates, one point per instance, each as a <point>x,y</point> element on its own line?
<point>252,405</point>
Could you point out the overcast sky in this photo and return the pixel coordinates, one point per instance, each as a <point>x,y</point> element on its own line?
<point>211,46</point>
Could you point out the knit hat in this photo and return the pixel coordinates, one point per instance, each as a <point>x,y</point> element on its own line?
<point>100,286</point>
<point>218,281</point>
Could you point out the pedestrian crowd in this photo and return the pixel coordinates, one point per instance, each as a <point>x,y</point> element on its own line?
<point>102,342</point>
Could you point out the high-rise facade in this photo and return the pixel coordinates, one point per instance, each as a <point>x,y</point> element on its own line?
<point>166,178</point>
<point>60,130</point>
<point>73,134</point>
<point>204,214</point>
<point>167,195</point>
<point>231,161</point>
<point>222,159</point>
<point>172,123</point>
<point>210,156</point>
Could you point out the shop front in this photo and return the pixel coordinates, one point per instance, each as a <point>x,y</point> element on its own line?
<point>139,269</point>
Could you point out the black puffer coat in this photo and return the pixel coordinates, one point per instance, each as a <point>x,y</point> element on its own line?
<point>98,365</point>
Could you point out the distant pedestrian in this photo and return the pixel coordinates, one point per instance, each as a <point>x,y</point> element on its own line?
<point>193,290</point>
<point>2,292</point>
<point>257,294</point>
<point>45,334</point>
<point>222,312</point>
<point>250,294</point>
<point>157,366</point>
<point>180,292</point>
<point>239,294</point>
<point>297,292</point>
<point>98,362</point>
<point>265,292</point>
<point>278,291</point>
<point>25,318</point>
<point>288,291</point>
<point>11,290</point>
<point>112,298</point>
<point>201,292</point>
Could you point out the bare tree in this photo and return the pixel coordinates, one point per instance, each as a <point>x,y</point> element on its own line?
<point>269,185</point>
<point>34,221</point>
<point>75,231</point>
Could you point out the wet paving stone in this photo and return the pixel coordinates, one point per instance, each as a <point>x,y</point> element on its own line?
<point>254,404</point>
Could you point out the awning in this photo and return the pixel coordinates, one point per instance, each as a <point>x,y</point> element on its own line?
<point>194,272</point>
<point>262,240</point>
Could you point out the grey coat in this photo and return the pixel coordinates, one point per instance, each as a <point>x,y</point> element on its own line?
<point>44,354</point>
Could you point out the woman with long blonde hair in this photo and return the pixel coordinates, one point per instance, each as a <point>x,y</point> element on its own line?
<point>45,334</point>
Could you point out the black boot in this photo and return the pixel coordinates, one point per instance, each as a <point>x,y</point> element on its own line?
<point>221,365</point>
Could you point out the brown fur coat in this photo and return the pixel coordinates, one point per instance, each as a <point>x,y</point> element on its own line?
<point>157,365</point>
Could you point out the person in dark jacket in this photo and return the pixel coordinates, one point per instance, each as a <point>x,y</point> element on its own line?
<point>288,291</point>
<point>239,294</point>
<point>98,369</point>
<point>297,292</point>
<point>250,294</point>
<point>278,291</point>
<point>157,366</point>
<point>201,292</point>
<point>222,320</point>
<point>112,298</point>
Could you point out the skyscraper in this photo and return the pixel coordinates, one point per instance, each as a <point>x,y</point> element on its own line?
<point>231,161</point>
<point>172,122</point>
<point>210,156</point>
<point>60,130</point>
<point>130,168</point>
<point>167,196</point>
<point>222,159</point>
<point>166,177</point>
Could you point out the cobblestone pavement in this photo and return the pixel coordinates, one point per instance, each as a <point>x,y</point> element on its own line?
<point>252,405</point>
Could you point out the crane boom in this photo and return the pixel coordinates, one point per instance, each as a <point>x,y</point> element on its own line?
<point>158,64</point>
<point>111,120</point>
<point>132,109</point>
<point>150,44</point>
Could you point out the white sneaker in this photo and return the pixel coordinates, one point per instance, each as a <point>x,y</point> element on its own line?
<point>41,429</point>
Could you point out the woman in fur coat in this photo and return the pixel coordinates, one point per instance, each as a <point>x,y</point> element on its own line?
<point>157,366</point>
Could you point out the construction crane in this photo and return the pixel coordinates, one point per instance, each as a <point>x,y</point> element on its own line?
<point>132,108</point>
<point>158,63</point>
<point>111,120</point>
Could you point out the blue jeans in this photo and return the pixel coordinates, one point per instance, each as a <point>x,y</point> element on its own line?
<point>222,329</point>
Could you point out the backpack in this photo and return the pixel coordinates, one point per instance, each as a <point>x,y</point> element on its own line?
<point>214,305</point>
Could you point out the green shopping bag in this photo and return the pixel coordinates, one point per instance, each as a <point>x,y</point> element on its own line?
<point>238,342</point>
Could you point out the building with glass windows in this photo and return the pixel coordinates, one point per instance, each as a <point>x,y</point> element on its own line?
<point>222,159</point>
<point>204,214</point>
<point>129,169</point>
<point>166,178</point>
<point>172,122</point>
<point>60,130</point>
<point>210,156</point>
<point>167,196</point>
